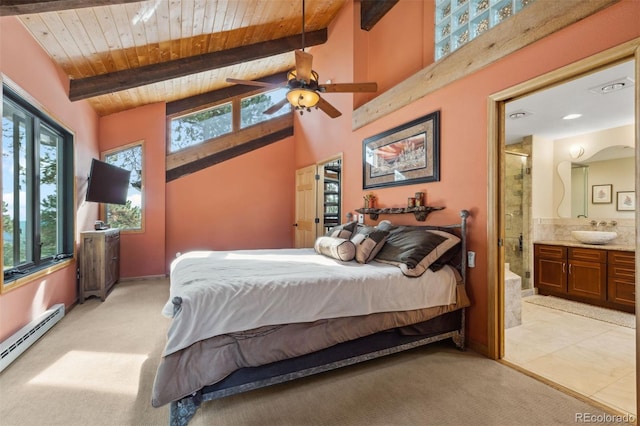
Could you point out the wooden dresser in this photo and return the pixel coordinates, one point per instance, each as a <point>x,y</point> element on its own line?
<point>99,262</point>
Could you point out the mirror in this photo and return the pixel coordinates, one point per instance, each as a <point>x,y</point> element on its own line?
<point>614,165</point>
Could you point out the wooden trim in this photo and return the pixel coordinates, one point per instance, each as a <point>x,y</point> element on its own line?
<point>22,7</point>
<point>38,274</point>
<point>565,390</point>
<point>637,253</point>
<point>126,79</point>
<point>536,21</point>
<point>495,145</point>
<point>371,11</point>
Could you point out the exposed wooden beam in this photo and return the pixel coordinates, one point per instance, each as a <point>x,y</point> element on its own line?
<point>182,106</point>
<point>126,79</point>
<point>371,11</point>
<point>533,23</point>
<point>22,7</point>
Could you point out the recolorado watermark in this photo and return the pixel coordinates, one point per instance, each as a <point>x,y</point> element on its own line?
<point>604,418</point>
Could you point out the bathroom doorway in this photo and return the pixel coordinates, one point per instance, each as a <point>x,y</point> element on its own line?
<point>513,162</point>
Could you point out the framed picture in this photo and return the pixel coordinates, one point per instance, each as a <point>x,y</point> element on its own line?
<point>404,155</point>
<point>625,201</point>
<point>601,194</point>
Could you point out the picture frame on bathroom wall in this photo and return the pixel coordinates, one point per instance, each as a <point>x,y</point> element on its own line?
<point>601,194</point>
<point>626,201</point>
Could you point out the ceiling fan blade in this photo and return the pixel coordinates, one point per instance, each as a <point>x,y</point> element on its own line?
<point>303,65</point>
<point>329,109</point>
<point>349,87</point>
<point>275,107</point>
<point>252,83</point>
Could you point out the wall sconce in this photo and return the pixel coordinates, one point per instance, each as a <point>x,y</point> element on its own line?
<point>576,151</point>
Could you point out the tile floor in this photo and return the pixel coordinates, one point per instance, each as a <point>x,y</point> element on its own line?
<point>593,358</point>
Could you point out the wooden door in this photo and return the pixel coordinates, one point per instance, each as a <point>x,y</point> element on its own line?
<point>587,273</point>
<point>306,206</point>
<point>550,269</point>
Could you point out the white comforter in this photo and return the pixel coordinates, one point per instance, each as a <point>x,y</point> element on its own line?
<point>224,292</point>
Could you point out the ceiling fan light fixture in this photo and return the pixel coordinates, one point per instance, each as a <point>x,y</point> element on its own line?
<point>303,98</point>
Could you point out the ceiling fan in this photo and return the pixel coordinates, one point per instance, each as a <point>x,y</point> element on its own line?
<point>304,89</point>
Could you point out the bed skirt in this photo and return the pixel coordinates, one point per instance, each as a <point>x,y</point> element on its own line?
<point>449,325</point>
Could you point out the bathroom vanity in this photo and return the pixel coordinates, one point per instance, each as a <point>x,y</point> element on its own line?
<point>601,275</point>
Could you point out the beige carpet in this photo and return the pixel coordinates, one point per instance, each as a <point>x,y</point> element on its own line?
<point>96,367</point>
<point>612,316</point>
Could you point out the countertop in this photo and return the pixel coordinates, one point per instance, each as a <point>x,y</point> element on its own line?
<point>569,243</point>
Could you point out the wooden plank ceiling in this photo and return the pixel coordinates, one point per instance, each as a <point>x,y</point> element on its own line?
<point>120,56</point>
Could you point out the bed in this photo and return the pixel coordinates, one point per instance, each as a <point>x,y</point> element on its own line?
<point>246,319</point>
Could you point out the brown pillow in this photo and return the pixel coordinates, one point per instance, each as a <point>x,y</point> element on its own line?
<point>342,231</point>
<point>368,242</point>
<point>415,249</point>
<point>336,248</point>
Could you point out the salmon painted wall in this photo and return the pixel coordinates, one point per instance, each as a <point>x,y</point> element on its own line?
<point>142,253</point>
<point>23,62</point>
<point>463,106</point>
<point>243,203</point>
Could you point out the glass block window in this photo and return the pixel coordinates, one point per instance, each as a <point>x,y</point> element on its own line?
<point>460,21</point>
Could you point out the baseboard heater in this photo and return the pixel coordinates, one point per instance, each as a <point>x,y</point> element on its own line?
<point>20,341</point>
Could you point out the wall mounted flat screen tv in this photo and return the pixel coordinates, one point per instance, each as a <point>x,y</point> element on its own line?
<point>107,183</point>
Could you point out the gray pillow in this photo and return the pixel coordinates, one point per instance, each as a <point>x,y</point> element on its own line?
<point>368,241</point>
<point>415,249</point>
<point>342,231</point>
<point>336,248</point>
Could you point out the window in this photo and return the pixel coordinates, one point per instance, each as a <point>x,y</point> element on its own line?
<point>127,216</point>
<point>193,129</point>
<point>37,188</point>
<point>252,108</point>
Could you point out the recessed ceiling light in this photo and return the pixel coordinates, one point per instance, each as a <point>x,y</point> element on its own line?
<point>571,116</point>
<point>519,114</point>
<point>613,86</point>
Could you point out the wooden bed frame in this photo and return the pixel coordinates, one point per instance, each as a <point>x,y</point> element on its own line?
<point>450,325</point>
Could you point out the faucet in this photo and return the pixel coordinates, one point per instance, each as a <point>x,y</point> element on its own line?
<point>603,223</point>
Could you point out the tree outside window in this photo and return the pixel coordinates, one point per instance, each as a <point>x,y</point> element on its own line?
<point>37,189</point>
<point>127,216</point>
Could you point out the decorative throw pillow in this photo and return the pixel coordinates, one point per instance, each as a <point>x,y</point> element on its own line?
<point>384,225</point>
<point>337,248</point>
<point>342,231</point>
<point>416,249</point>
<point>368,242</point>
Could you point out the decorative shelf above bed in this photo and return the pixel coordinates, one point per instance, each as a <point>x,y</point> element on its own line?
<point>420,212</point>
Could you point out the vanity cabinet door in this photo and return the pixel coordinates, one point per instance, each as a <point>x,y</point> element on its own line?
<point>550,269</point>
<point>587,274</point>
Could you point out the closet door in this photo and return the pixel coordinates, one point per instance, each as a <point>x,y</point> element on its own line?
<point>306,204</point>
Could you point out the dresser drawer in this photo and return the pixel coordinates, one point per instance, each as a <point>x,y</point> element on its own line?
<point>621,292</point>
<point>626,259</point>
<point>587,255</point>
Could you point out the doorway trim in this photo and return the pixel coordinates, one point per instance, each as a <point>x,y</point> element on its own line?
<point>495,143</point>
<point>320,197</point>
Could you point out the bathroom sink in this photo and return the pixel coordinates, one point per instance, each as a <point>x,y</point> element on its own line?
<point>593,237</point>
